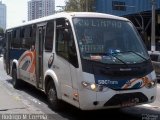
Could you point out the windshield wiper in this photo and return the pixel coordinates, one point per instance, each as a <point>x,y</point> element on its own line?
<point>135,54</point>
<point>116,53</point>
<point>95,53</point>
<point>111,55</point>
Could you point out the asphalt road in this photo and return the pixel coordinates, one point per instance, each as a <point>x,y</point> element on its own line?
<point>30,96</point>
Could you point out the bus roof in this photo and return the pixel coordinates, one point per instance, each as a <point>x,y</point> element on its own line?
<point>70,15</point>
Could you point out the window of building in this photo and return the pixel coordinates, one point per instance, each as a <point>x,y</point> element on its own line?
<point>117,5</point>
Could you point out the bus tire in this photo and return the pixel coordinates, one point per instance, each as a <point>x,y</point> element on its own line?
<point>54,102</point>
<point>15,81</point>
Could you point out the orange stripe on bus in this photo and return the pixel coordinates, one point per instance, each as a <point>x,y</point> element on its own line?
<point>32,68</point>
<point>25,55</point>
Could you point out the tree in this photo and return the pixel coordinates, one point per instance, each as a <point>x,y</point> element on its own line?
<point>79,5</point>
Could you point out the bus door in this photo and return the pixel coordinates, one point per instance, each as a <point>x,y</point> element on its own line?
<point>39,54</point>
<point>7,51</point>
<point>61,65</point>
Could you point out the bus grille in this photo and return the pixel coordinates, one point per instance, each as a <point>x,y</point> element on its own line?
<point>127,99</point>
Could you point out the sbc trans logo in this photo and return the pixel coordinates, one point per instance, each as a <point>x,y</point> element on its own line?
<point>106,82</point>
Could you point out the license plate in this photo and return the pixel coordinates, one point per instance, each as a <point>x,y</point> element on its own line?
<point>131,102</point>
<point>126,104</point>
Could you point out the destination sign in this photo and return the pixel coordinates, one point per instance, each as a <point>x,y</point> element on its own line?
<point>99,23</point>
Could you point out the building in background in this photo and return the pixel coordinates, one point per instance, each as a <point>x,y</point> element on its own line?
<point>124,7</point>
<point>2,15</point>
<point>138,11</point>
<point>40,8</point>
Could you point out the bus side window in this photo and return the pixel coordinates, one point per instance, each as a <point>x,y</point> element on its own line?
<point>72,53</point>
<point>33,35</point>
<point>16,42</point>
<point>61,44</point>
<point>9,40</point>
<point>65,45</point>
<point>28,37</point>
<point>49,36</point>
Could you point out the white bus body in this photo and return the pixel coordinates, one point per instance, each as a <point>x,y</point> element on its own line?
<point>68,56</point>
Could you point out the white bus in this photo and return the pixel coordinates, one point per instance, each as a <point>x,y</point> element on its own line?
<point>90,60</point>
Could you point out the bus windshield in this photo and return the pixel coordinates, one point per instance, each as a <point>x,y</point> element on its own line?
<point>109,41</point>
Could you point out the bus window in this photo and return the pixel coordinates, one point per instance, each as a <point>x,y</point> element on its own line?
<point>68,35</point>
<point>65,45</point>
<point>28,36</point>
<point>72,54</point>
<point>49,36</point>
<point>33,35</point>
<point>16,42</point>
<point>61,44</point>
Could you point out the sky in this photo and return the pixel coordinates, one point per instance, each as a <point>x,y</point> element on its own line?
<point>17,10</point>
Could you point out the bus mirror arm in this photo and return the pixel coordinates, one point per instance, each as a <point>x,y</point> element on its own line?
<point>66,34</point>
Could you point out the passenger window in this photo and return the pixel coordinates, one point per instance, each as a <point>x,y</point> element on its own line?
<point>49,36</point>
<point>61,43</point>
<point>23,37</point>
<point>9,38</point>
<point>27,40</point>
<point>16,41</point>
<point>72,54</point>
<point>65,45</point>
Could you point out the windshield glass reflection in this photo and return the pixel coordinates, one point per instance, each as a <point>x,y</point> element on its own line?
<point>109,41</point>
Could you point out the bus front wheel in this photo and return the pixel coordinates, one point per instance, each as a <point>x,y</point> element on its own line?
<point>15,81</point>
<point>53,100</point>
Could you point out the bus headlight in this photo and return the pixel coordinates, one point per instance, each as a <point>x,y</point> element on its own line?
<point>151,84</point>
<point>94,87</point>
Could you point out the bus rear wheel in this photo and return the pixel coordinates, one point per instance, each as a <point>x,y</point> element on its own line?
<point>53,100</point>
<point>15,82</point>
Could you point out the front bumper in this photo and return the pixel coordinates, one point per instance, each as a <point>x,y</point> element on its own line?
<point>90,100</point>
